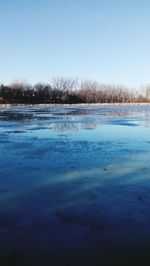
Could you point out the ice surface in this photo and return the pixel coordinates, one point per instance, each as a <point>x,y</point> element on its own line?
<point>74,185</point>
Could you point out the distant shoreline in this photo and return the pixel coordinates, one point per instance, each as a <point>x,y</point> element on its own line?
<point>74,104</point>
<point>66,91</point>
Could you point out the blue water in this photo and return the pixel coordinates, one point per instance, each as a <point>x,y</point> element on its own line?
<point>74,185</point>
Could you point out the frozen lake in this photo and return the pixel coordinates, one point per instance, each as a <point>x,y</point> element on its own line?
<point>74,185</point>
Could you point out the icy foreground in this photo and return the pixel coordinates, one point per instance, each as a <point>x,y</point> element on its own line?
<point>74,185</point>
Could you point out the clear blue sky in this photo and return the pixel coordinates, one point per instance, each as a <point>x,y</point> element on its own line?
<point>106,40</point>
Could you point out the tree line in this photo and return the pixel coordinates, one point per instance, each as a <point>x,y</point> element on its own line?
<point>71,91</point>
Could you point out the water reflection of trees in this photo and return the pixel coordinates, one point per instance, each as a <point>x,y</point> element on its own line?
<point>146,119</point>
<point>65,113</point>
<point>74,127</point>
<point>63,127</point>
<point>72,119</point>
<point>89,125</point>
<point>72,124</point>
<point>95,111</point>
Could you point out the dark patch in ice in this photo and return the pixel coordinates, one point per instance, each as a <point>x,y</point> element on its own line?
<point>93,222</point>
<point>88,128</point>
<point>94,230</point>
<point>121,123</point>
<point>11,116</point>
<point>67,218</point>
<point>13,259</point>
<point>4,141</point>
<point>8,220</point>
<point>39,128</point>
<point>107,167</point>
<point>140,197</point>
<point>15,131</point>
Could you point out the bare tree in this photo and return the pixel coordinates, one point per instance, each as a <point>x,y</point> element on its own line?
<point>61,83</point>
<point>68,90</point>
